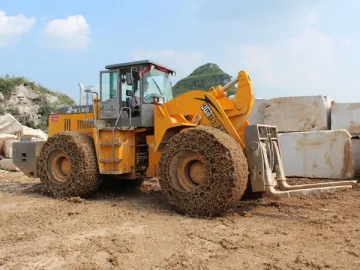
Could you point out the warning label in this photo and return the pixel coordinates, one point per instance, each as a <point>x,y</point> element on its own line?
<point>54,118</point>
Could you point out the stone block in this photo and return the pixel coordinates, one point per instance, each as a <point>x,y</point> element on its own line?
<point>258,115</point>
<point>295,114</point>
<point>346,116</point>
<point>318,154</point>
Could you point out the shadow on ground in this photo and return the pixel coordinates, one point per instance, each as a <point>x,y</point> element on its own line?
<point>146,197</point>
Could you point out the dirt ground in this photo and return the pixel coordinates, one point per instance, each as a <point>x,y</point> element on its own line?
<point>136,229</point>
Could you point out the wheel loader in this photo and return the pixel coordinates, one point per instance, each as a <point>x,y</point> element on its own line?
<point>199,145</point>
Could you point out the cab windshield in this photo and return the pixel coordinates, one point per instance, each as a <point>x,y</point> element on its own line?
<point>156,83</point>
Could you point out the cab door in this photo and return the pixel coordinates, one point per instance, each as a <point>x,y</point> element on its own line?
<point>109,94</point>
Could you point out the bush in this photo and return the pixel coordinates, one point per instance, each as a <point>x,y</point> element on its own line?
<point>14,111</point>
<point>45,110</point>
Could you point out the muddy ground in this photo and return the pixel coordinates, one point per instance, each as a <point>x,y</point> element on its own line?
<point>136,229</point>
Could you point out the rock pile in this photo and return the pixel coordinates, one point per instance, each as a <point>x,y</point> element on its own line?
<point>11,131</point>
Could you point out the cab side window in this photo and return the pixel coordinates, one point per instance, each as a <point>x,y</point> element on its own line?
<point>109,86</point>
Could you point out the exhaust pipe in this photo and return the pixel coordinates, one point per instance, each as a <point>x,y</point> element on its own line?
<point>81,86</point>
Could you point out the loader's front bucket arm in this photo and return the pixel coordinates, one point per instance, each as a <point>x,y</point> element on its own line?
<point>266,169</point>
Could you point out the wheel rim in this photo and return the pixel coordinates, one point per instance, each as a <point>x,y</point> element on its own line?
<point>60,166</point>
<point>187,171</point>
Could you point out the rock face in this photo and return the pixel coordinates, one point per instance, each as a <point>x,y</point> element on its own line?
<point>27,106</point>
<point>203,78</point>
<point>30,104</point>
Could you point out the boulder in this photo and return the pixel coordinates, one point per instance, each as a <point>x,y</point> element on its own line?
<point>9,125</point>
<point>5,137</point>
<point>258,115</point>
<point>51,98</point>
<point>30,134</point>
<point>7,148</point>
<point>346,116</point>
<point>295,114</point>
<point>22,91</point>
<point>318,154</point>
<point>8,165</point>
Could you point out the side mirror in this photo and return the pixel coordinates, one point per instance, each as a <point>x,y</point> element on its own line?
<point>128,78</point>
<point>129,93</point>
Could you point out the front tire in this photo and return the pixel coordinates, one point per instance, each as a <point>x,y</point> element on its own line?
<point>203,171</point>
<point>68,165</point>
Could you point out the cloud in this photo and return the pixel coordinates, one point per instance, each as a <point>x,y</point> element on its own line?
<point>310,18</point>
<point>12,28</point>
<point>183,62</point>
<point>254,12</point>
<point>347,41</point>
<point>301,64</point>
<point>194,5</point>
<point>72,33</point>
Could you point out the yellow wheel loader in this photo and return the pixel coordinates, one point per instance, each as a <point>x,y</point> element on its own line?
<point>199,145</point>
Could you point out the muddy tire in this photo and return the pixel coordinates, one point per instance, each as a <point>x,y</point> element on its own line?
<point>203,172</point>
<point>68,165</point>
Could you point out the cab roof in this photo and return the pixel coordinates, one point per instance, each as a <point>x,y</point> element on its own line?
<point>141,62</point>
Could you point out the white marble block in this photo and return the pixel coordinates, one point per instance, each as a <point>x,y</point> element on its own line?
<point>9,125</point>
<point>346,116</point>
<point>258,115</point>
<point>318,154</point>
<point>294,114</point>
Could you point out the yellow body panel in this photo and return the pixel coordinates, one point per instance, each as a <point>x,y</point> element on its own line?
<point>124,152</point>
<point>154,157</point>
<point>75,121</point>
<point>211,108</point>
<point>214,108</point>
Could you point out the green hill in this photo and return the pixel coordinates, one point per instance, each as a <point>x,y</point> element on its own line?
<point>203,78</point>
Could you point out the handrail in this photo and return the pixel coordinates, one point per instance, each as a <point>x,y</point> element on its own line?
<point>117,120</point>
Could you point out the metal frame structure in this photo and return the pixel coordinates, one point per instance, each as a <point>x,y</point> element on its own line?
<point>267,171</point>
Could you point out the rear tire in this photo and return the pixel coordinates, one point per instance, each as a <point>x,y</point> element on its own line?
<point>68,165</point>
<point>203,171</point>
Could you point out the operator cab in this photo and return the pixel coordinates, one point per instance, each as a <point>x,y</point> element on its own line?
<point>121,85</point>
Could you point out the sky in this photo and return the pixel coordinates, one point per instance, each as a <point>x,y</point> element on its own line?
<point>288,47</point>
